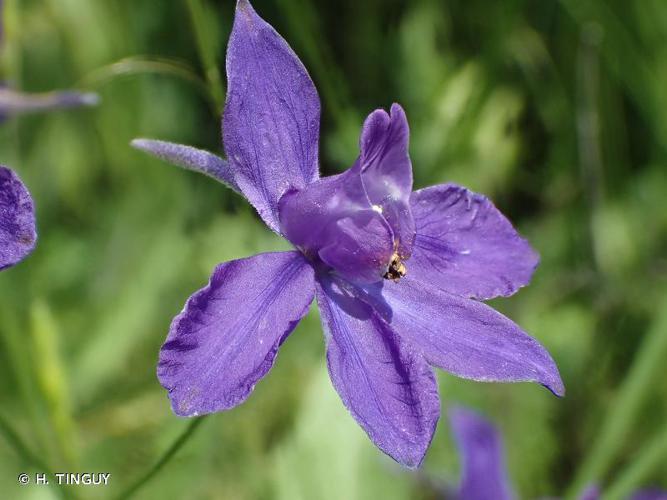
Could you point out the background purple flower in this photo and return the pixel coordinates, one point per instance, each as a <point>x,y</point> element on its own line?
<point>17,213</point>
<point>484,473</point>
<point>350,231</point>
<point>14,102</point>
<point>17,219</point>
<point>650,494</point>
<point>483,469</point>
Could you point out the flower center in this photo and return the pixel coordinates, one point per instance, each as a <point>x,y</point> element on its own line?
<point>396,269</point>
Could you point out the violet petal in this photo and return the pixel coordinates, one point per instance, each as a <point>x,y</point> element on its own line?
<point>387,171</point>
<point>333,220</point>
<point>189,158</point>
<point>592,492</point>
<point>650,494</point>
<point>17,219</point>
<point>465,337</point>
<point>272,114</point>
<point>484,473</point>
<point>388,388</point>
<point>227,336</point>
<point>465,246</point>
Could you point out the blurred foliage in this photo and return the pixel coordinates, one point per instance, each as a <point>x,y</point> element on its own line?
<point>555,109</point>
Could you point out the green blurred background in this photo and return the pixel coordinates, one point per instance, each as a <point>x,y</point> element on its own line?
<point>555,109</point>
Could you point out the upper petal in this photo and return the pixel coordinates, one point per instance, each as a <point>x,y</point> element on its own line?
<point>388,387</point>
<point>484,474</point>
<point>465,246</point>
<point>465,337</point>
<point>17,219</point>
<point>227,336</point>
<point>272,114</point>
<point>189,158</point>
<point>387,171</point>
<point>333,220</point>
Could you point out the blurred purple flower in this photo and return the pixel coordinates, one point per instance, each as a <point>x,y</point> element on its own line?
<point>13,102</point>
<point>592,492</point>
<point>350,231</point>
<point>483,470</point>
<point>17,219</point>
<point>17,213</point>
<point>484,473</point>
<point>652,494</point>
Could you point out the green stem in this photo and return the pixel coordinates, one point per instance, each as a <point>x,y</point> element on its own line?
<point>623,58</point>
<point>52,382</point>
<point>650,457</point>
<point>21,449</point>
<point>164,459</point>
<point>206,49</point>
<point>304,23</point>
<point>20,366</point>
<point>588,131</point>
<point>645,370</point>
<point>139,65</point>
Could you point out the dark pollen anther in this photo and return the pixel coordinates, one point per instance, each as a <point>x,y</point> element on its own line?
<point>396,269</point>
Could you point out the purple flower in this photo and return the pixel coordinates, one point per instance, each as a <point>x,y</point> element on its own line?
<point>17,213</point>
<point>395,272</point>
<point>17,219</point>
<point>651,494</point>
<point>484,473</point>
<point>593,493</point>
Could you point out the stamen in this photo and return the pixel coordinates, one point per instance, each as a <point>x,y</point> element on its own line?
<point>396,269</point>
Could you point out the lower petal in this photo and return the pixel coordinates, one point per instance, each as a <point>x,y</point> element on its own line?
<point>227,336</point>
<point>388,388</point>
<point>466,337</point>
<point>17,219</point>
